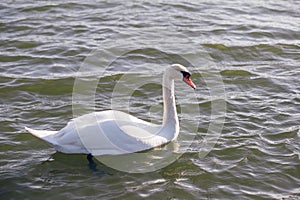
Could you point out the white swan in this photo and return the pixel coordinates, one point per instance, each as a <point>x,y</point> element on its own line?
<point>113,132</point>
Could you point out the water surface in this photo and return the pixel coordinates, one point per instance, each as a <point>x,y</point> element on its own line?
<point>254,46</point>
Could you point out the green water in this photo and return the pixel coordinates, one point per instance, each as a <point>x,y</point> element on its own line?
<point>248,49</point>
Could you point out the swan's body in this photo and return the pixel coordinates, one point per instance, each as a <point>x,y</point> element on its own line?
<point>114,132</point>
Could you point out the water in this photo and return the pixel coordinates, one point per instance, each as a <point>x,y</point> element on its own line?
<point>254,46</point>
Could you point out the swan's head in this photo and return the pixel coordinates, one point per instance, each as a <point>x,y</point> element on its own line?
<point>179,72</point>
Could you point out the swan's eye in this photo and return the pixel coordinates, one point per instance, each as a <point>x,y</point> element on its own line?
<point>185,74</point>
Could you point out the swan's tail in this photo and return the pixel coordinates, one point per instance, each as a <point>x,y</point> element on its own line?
<point>44,135</point>
<point>66,142</point>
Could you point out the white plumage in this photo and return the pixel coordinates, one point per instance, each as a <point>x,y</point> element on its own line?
<point>113,132</point>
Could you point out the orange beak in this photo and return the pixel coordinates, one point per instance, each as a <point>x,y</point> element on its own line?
<point>189,82</point>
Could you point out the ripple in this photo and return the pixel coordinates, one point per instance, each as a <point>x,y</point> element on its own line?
<point>231,73</point>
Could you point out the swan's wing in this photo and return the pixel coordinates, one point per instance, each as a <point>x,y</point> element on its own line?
<point>115,132</point>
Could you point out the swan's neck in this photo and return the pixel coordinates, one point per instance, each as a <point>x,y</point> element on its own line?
<point>170,119</point>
